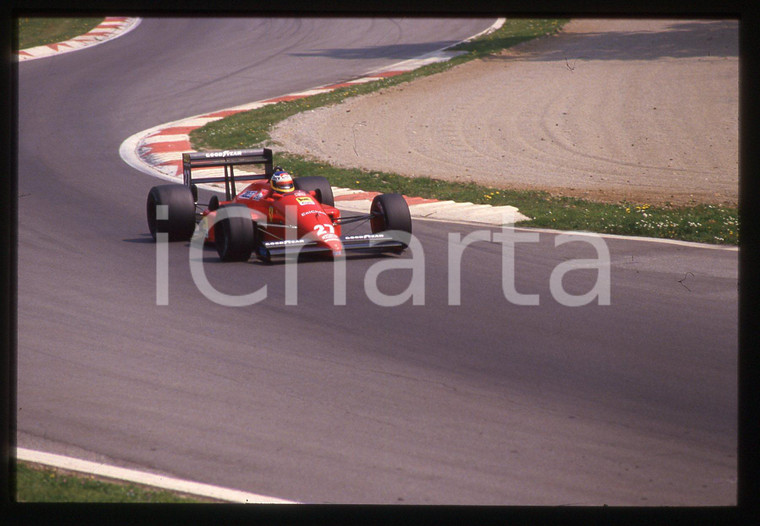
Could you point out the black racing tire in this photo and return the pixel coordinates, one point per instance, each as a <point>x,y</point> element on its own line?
<point>180,223</point>
<point>320,184</point>
<point>234,236</point>
<point>391,212</point>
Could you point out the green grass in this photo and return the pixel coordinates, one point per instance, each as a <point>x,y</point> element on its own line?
<point>701,223</point>
<point>35,483</point>
<point>37,31</point>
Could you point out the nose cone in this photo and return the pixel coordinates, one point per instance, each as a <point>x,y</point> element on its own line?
<point>335,245</point>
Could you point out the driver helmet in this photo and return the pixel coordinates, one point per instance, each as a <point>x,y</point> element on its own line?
<point>282,181</point>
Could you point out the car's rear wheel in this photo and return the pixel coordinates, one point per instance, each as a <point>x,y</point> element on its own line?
<point>318,184</point>
<point>390,212</point>
<point>234,235</point>
<point>178,220</point>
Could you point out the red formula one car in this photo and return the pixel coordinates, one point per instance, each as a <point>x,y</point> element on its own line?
<point>274,215</point>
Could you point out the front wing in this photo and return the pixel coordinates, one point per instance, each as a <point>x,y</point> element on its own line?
<point>372,243</point>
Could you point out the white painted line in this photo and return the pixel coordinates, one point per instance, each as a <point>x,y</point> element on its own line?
<point>488,210</point>
<point>192,121</point>
<point>308,93</point>
<point>426,207</point>
<point>164,138</point>
<point>467,212</point>
<point>148,479</point>
<point>337,192</point>
<point>362,80</point>
<point>356,205</point>
<point>430,58</point>
<point>496,25</point>
<point>249,106</point>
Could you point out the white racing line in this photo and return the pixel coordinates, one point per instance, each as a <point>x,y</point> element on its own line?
<point>144,478</point>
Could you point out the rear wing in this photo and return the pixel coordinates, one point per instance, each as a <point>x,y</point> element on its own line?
<point>227,159</point>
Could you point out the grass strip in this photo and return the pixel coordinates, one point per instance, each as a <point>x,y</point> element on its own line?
<point>38,31</point>
<point>700,223</point>
<point>36,483</point>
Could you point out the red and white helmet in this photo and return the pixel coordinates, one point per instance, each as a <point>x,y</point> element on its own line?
<point>282,182</point>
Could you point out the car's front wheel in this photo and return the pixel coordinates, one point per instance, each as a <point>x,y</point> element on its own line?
<point>391,212</point>
<point>234,233</point>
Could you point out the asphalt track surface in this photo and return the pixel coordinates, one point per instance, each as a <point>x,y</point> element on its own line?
<point>487,402</point>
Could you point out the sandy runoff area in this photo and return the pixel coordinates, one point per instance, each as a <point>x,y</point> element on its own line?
<point>643,110</point>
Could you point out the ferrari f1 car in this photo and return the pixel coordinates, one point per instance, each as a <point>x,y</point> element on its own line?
<point>265,222</point>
